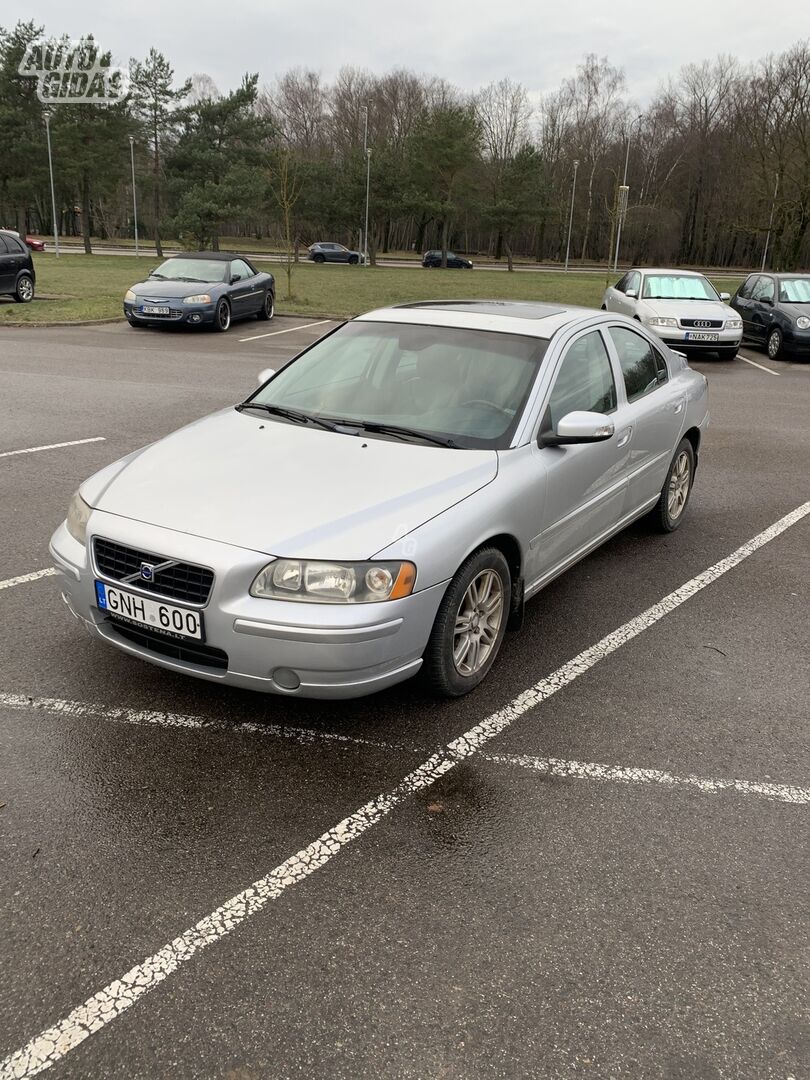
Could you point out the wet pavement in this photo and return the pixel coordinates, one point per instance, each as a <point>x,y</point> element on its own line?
<point>518,916</point>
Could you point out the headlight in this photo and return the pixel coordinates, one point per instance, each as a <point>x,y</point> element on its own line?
<point>803,322</point>
<point>197,298</point>
<point>334,583</point>
<point>130,297</point>
<point>733,324</point>
<point>662,322</point>
<point>77,515</point>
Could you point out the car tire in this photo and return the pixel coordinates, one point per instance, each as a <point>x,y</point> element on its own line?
<point>353,260</point>
<point>319,258</point>
<point>729,353</point>
<point>457,660</point>
<point>668,512</point>
<point>268,308</point>
<point>222,316</point>
<point>773,343</point>
<point>24,291</point>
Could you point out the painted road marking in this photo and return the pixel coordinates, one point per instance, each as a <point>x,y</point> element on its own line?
<point>753,363</point>
<point>24,578</point>
<point>99,1010</point>
<point>52,446</point>
<point>289,330</point>
<point>586,770</point>
<point>618,774</point>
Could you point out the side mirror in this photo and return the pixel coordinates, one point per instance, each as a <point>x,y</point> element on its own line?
<point>725,297</point>
<point>632,294</point>
<point>268,373</point>
<point>579,427</point>
<point>235,278</point>
<point>152,271</point>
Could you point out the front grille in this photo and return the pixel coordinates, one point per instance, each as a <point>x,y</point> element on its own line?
<point>702,324</point>
<point>177,581</point>
<point>190,652</point>
<point>155,315</point>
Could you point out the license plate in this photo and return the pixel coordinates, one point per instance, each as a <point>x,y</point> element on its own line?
<point>170,619</point>
<point>692,336</point>
<point>155,309</point>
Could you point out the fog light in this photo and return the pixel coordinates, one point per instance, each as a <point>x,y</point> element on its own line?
<point>195,318</point>
<point>285,678</point>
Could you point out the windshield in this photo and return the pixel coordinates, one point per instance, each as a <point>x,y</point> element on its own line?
<point>677,287</point>
<point>794,290</point>
<point>192,270</point>
<point>469,386</point>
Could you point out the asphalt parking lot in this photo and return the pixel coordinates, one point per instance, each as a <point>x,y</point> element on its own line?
<point>606,876</point>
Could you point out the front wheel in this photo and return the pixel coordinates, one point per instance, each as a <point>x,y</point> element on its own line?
<point>774,343</point>
<point>353,260</point>
<point>319,258</point>
<point>470,624</point>
<point>222,316</point>
<point>24,293</point>
<point>268,308</point>
<point>669,510</point>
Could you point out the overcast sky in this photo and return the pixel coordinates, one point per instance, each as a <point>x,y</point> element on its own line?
<point>469,42</point>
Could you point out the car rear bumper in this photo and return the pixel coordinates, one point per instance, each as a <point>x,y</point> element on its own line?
<point>297,649</point>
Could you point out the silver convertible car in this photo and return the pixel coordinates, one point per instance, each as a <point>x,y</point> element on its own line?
<point>386,502</point>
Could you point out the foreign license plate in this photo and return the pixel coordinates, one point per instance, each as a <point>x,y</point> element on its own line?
<point>692,336</point>
<point>156,309</point>
<point>168,618</point>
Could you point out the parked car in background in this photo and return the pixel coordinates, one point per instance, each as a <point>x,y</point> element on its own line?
<point>17,275</point>
<point>328,252</point>
<point>682,307</point>
<point>34,244</point>
<point>207,288</point>
<point>387,501</point>
<point>775,311</point>
<point>432,259</point>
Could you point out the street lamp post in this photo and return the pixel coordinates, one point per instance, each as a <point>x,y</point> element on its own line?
<point>368,180</point>
<point>571,214</point>
<point>637,120</point>
<point>134,198</point>
<point>47,115</point>
<point>770,223</point>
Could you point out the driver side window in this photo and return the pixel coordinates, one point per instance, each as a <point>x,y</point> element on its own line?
<point>763,290</point>
<point>584,379</point>
<point>240,267</point>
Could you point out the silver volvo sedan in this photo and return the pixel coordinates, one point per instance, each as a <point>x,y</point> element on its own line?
<point>387,501</point>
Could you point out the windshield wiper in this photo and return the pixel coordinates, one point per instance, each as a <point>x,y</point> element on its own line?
<point>288,414</point>
<point>155,274</point>
<point>400,432</point>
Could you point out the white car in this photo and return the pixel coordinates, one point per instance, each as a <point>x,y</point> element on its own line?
<point>682,307</point>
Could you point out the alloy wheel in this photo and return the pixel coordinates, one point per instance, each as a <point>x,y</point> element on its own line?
<point>25,289</point>
<point>679,481</point>
<point>774,344</point>
<point>223,315</point>
<point>478,622</point>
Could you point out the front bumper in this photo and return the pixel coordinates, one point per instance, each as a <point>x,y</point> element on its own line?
<point>796,342</point>
<point>678,338</point>
<point>192,314</point>
<point>334,651</point>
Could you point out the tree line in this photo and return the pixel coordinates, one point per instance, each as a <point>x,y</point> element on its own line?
<point>716,161</point>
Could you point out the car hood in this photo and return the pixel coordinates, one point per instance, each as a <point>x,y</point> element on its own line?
<point>288,490</point>
<point>687,309</point>
<point>170,289</point>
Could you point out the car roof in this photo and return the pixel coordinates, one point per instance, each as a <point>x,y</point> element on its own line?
<point>665,270</point>
<point>216,256</point>
<point>506,316</point>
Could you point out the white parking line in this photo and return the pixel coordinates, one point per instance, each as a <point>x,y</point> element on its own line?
<point>618,774</point>
<point>52,446</point>
<point>99,1010</point>
<point>23,579</point>
<point>753,363</point>
<point>289,330</point>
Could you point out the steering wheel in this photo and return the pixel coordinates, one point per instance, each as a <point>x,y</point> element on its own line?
<point>489,405</point>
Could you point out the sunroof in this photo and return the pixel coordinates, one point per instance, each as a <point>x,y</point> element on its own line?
<point>511,308</point>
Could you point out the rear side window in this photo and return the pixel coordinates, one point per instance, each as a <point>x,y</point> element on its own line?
<point>642,366</point>
<point>4,249</point>
<point>584,380</point>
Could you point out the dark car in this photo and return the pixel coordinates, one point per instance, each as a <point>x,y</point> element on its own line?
<point>328,252</point>
<point>208,287</point>
<point>17,276</point>
<point>775,310</point>
<point>432,259</point>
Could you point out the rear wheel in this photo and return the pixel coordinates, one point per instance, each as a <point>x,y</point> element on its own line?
<point>353,260</point>
<point>24,293</point>
<point>774,343</point>
<point>268,308</point>
<point>470,624</point>
<point>669,510</point>
<point>222,316</point>
<point>319,258</point>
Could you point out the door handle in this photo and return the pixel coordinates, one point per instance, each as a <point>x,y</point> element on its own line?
<point>678,406</point>
<point>624,436</point>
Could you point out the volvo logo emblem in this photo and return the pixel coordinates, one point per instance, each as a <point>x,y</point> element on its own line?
<point>702,322</point>
<point>147,571</point>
